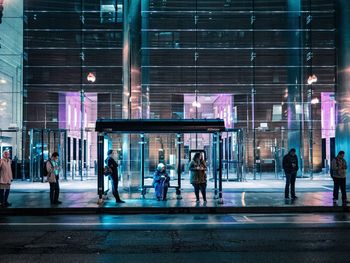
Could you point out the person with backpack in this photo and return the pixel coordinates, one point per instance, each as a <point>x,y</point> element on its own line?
<point>338,169</point>
<point>113,166</point>
<point>5,178</point>
<point>290,167</point>
<point>52,169</point>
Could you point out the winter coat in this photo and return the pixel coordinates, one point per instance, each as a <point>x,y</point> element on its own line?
<point>112,164</point>
<point>161,182</point>
<point>339,167</point>
<point>160,178</point>
<point>198,172</point>
<point>288,161</point>
<point>5,171</point>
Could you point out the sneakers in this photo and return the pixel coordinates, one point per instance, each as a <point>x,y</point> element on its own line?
<point>7,204</point>
<point>294,197</point>
<point>120,201</point>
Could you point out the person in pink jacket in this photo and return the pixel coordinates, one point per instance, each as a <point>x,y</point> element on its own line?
<point>5,178</point>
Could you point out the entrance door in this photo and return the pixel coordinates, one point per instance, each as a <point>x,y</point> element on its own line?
<point>42,144</point>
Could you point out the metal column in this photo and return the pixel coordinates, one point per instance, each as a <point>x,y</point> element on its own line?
<point>178,189</point>
<point>214,158</point>
<point>221,201</point>
<point>100,165</point>
<point>42,157</point>
<point>65,155</point>
<point>142,165</point>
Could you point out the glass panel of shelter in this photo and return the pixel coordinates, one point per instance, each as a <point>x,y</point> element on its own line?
<point>146,151</point>
<point>233,155</point>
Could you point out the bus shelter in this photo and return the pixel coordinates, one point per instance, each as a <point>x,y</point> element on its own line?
<point>180,128</point>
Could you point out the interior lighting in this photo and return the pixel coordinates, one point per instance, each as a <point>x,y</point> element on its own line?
<point>312,79</point>
<point>91,77</point>
<point>196,103</point>
<point>2,81</point>
<point>315,101</point>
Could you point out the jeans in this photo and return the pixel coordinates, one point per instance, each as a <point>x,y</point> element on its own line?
<point>202,187</point>
<point>290,181</point>
<point>115,189</point>
<point>54,192</point>
<point>161,189</point>
<point>339,182</point>
<point>4,194</point>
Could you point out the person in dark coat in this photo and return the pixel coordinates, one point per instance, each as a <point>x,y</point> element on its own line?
<point>113,166</point>
<point>198,176</point>
<point>290,167</point>
<point>161,182</point>
<point>339,167</point>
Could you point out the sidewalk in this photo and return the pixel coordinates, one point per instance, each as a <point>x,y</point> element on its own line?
<point>265,196</point>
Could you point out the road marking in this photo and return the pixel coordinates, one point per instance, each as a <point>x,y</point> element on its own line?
<point>172,223</point>
<point>328,188</point>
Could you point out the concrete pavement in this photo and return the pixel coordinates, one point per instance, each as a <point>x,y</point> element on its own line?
<point>260,196</point>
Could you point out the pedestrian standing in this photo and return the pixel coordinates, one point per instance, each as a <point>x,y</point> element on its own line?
<point>198,177</point>
<point>53,171</point>
<point>290,167</point>
<point>113,166</point>
<point>5,178</point>
<point>339,167</point>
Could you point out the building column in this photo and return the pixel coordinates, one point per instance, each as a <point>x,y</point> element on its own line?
<point>342,92</point>
<point>133,106</point>
<point>294,79</point>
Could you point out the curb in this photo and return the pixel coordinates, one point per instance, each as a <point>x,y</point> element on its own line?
<point>170,210</point>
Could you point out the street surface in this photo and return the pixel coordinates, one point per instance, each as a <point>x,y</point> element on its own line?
<point>176,238</point>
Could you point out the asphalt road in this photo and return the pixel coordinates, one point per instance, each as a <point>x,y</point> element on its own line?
<point>176,238</point>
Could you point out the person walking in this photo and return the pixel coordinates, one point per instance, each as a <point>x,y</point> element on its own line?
<point>5,178</point>
<point>53,171</point>
<point>113,166</point>
<point>161,182</point>
<point>339,167</point>
<point>198,177</point>
<point>290,167</point>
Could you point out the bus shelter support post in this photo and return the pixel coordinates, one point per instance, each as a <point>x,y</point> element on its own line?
<point>100,167</point>
<point>221,200</point>
<point>215,168</point>
<point>142,164</point>
<point>178,188</point>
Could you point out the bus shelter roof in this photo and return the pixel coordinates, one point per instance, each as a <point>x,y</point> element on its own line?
<point>160,125</point>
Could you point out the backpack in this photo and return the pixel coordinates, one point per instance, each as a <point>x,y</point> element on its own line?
<point>45,171</point>
<point>331,171</point>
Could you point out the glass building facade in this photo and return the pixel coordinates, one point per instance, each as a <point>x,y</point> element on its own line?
<point>268,68</point>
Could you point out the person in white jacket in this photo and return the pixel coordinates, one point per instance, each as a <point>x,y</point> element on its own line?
<point>5,178</point>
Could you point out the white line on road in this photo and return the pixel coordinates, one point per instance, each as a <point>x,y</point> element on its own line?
<point>171,223</point>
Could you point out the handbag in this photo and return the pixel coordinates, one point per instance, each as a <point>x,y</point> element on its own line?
<point>107,171</point>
